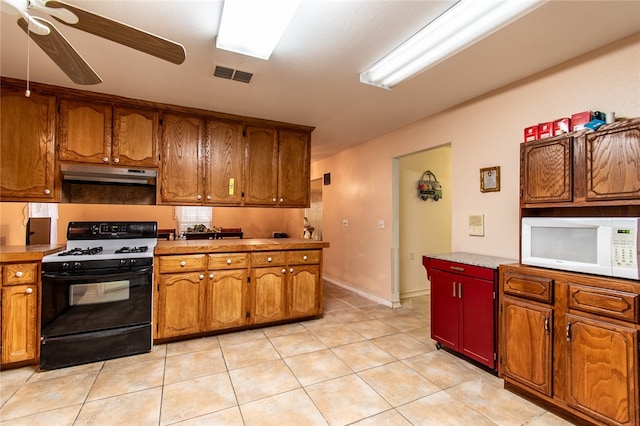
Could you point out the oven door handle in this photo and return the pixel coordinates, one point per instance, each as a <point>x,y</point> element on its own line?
<point>83,275</point>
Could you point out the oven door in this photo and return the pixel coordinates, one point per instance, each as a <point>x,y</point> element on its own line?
<point>89,301</point>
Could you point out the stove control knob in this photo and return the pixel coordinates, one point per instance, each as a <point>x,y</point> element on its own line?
<point>132,262</point>
<point>65,266</point>
<point>76,265</point>
<point>123,262</point>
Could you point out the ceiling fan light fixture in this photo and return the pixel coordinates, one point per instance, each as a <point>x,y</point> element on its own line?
<point>465,23</point>
<point>254,27</point>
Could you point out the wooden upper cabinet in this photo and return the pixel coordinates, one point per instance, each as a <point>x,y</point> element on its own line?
<point>613,163</point>
<point>27,150</point>
<point>135,137</point>
<point>294,159</point>
<point>261,166</point>
<point>84,132</point>
<point>546,171</point>
<point>182,140</point>
<point>224,153</point>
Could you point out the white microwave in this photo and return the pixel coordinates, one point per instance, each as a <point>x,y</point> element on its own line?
<point>603,246</point>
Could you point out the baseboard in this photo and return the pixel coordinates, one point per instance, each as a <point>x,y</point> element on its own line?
<point>414,293</point>
<point>360,292</point>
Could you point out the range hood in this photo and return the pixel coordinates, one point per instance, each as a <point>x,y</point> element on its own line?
<point>107,174</point>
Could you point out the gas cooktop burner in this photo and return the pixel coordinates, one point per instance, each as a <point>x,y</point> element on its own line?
<point>81,252</point>
<point>141,249</point>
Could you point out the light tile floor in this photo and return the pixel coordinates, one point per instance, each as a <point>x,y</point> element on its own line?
<point>362,363</point>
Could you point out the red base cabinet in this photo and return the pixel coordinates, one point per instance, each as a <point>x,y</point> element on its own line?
<point>464,308</point>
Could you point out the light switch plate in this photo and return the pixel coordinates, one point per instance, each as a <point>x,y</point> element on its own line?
<point>476,225</point>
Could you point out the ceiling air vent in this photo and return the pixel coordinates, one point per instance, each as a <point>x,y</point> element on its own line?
<point>231,74</point>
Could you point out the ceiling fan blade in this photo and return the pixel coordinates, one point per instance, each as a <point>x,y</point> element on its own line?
<point>123,34</point>
<point>62,53</point>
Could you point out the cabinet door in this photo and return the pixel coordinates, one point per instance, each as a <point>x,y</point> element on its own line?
<point>477,323</point>
<point>223,163</point>
<point>612,168</point>
<point>294,180</point>
<point>445,314</point>
<point>269,294</point>
<point>181,171</point>
<point>546,171</point>
<point>135,137</point>
<point>225,299</point>
<point>526,341</point>
<point>180,311</point>
<point>303,290</point>
<point>20,323</point>
<point>27,151</point>
<point>261,166</point>
<point>602,370</point>
<point>85,132</point>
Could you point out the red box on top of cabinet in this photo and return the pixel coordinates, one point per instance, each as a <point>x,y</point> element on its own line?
<point>561,125</point>
<point>579,119</point>
<point>531,133</point>
<point>545,130</point>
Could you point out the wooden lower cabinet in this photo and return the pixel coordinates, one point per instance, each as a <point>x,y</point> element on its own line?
<point>202,293</point>
<point>579,351</point>
<point>20,320</point>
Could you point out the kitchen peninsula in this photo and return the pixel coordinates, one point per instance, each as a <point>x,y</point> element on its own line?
<point>209,286</point>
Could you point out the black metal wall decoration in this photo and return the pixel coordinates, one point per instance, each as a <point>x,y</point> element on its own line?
<point>429,187</point>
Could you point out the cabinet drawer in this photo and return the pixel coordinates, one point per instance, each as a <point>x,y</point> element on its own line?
<point>268,258</point>
<point>191,262</point>
<point>20,273</point>
<point>602,301</point>
<point>529,286</point>
<point>228,261</point>
<point>303,257</point>
<point>461,268</point>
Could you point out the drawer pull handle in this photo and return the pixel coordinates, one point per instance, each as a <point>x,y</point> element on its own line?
<point>228,261</point>
<point>183,263</point>
<point>19,274</point>
<point>269,259</point>
<point>568,331</point>
<point>456,268</point>
<point>546,325</point>
<point>304,257</point>
<point>29,290</point>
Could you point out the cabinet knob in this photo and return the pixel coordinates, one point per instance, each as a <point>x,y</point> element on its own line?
<point>183,263</point>
<point>47,191</point>
<point>282,200</point>
<point>304,258</point>
<point>29,290</point>
<point>291,270</point>
<point>201,276</point>
<point>274,199</point>
<point>116,160</point>
<point>269,259</point>
<point>209,197</point>
<point>105,159</point>
<point>228,261</point>
<point>19,274</point>
<point>211,276</point>
<point>199,197</point>
<point>284,271</point>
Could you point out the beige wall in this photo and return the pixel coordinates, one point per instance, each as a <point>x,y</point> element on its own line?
<point>255,222</point>
<point>424,226</point>
<point>482,133</point>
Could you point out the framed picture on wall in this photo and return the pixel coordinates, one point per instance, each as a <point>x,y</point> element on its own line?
<point>490,179</point>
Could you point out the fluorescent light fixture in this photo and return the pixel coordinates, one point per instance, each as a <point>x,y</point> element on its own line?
<point>465,23</point>
<point>254,27</point>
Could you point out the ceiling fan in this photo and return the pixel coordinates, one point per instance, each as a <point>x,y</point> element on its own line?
<point>53,43</point>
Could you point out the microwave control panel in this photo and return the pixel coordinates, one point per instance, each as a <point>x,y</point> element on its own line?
<point>623,248</point>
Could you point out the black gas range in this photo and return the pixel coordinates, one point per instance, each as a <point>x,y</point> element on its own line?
<point>97,295</point>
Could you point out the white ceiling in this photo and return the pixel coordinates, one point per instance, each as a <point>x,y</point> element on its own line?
<point>312,77</point>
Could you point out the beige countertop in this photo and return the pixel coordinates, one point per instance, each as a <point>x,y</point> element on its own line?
<point>28,253</point>
<point>236,245</point>
<point>473,259</point>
